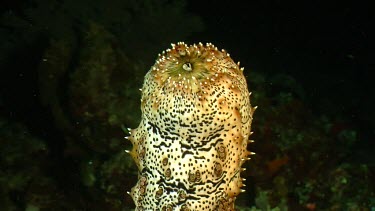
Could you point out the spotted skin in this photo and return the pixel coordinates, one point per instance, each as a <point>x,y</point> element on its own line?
<point>192,139</point>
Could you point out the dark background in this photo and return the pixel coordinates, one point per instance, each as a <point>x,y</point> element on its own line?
<point>326,46</point>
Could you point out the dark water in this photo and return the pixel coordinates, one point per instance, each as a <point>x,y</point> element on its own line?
<point>70,73</point>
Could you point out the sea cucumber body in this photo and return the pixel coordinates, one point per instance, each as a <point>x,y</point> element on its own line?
<point>192,139</point>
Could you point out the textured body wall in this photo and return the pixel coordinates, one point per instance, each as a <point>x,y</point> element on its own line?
<point>195,127</point>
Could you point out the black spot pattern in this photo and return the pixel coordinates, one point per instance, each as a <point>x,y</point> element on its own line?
<point>192,139</point>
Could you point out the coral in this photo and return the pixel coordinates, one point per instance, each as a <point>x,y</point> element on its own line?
<point>192,138</point>
<point>99,98</point>
<point>22,161</point>
<point>305,160</point>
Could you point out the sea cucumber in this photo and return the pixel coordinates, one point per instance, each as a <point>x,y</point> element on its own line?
<point>192,139</point>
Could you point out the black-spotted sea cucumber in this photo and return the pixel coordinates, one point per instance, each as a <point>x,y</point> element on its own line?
<point>192,140</point>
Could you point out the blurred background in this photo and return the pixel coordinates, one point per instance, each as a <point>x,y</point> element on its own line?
<point>70,71</point>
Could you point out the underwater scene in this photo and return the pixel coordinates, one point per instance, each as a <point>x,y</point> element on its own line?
<point>178,105</point>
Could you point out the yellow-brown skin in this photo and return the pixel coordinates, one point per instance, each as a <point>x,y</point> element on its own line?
<point>195,127</point>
